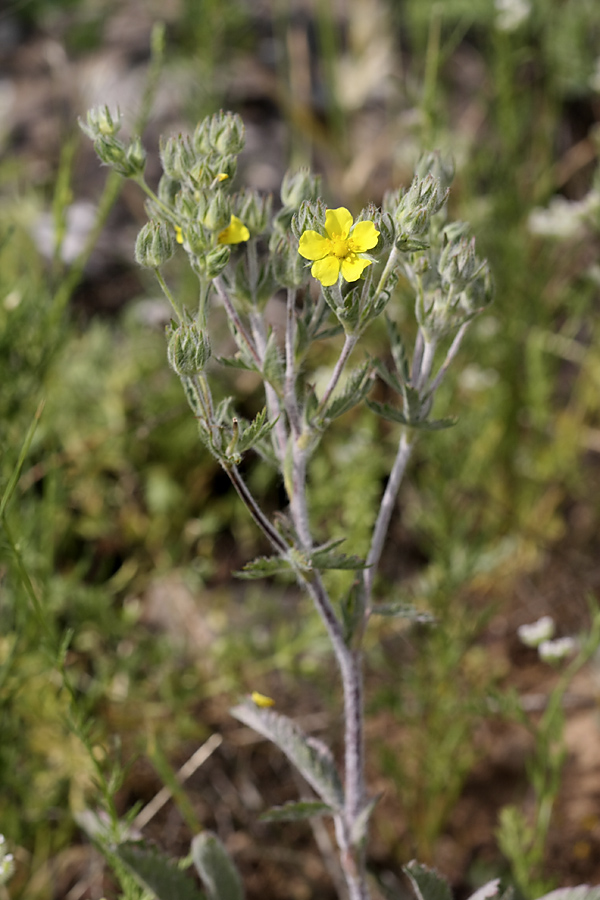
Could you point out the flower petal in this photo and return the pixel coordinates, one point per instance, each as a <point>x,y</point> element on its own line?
<point>235,233</point>
<point>353,267</point>
<point>326,270</point>
<point>313,245</point>
<point>364,236</point>
<point>338,222</point>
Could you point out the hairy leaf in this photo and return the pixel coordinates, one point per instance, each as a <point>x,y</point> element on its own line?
<point>398,350</point>
<point>272,366</point>
<point>401,610</point>
<point>296,810</point>
<point>156,873</point>
<point>255,431</point>
<point>427,883</point>
<point>311,757</point>
<point>214,866</point>
<point>264,567</point>
<point>356,389</point>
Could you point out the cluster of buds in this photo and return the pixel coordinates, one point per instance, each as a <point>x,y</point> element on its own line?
<point>128,160</point>
<point>412,210</point>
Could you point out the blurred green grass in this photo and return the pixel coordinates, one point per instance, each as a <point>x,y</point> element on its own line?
<point>116,492</point>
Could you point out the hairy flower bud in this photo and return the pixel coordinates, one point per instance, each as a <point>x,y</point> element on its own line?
<point>216,260</point>
<point>154,245</point>
<point>299,186</point>
<point>135,159</point>
<point>177,157</point>
<point>288,267</point>
<point>100,123</point>
<point>309,217</point>
<point>188,349</point>
<point>254,210</point>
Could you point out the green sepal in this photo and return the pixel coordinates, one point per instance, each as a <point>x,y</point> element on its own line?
<point>296,810</point>
<point>156,873</point>
<point>219,876</point>
<point>312,757</point>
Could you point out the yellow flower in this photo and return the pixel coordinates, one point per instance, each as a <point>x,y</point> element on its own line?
<point>342,249</point>
<point>235,233</point>
<point>178,234</point>
<point>262,700</point>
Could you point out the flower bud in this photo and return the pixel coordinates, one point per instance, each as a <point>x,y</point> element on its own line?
<point>288,267</point>
<point>188,349</point>
<point>154,245</point>
<point>254,210</point>
<point>111,151</point>
<point>135,159</point>
<point>309,217</point>
<point>177,157</point>
<point>299,186</point>
<point>216,260</point>
<point>440,167</point>
<point>168,189</point>
<point>216,211</point>
<point>227,133</point>
<point>99,123</point>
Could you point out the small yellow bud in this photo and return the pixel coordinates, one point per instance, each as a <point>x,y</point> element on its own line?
<point>261,700</point>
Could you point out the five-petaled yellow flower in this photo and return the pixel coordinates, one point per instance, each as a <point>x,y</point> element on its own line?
<point>342,249</point>
<point>262,700</point>
<point>235,233</point>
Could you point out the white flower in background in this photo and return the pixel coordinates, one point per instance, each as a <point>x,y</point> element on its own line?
<point>532,635</point>
<point>510,14</point>
<point>475,378</point>
<point>555,651</point>
<point>7,863</point>
<point>564,218</point>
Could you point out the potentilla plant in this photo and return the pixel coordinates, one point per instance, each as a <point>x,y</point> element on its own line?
<point>337,273</point>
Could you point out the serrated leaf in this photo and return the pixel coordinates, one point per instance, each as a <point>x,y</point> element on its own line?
<point>296,811</point>
<point>356,389</point>
<point>156,873</point>
<point>386,411</point>
<point>264,567</point>
<point>426,882</point>
<point>341,561</point>
<point>214,866</point>
<point>312,757</point>
<point>402,611</point>
<point>236,362</point>
<point>390,378</point>
<point>258,429</point>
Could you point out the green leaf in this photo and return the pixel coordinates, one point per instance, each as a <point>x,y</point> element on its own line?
<point>296,810</point>
<point>236,362</point>
<point>264,567</point>
<point>386,411</point>
<point>390,378</point>
<point>254,432</point>
<point>426,882</point>
<point>214,866</point>
<point>356,389</point>
<point>352,609</point>
<point>272,367</point>
<point>358,832</point>
<point>312,757</point>
<point>398,350</point>
<point>323,557</point>
<point>156,873</point>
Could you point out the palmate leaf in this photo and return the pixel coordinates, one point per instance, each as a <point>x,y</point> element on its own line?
<point>426,882</point>
<point>264,567</point>
<point>312,757</point>
<point>216,869</point>
<point>296,811</point>
<point>356,389</point>
<point>156,873</point>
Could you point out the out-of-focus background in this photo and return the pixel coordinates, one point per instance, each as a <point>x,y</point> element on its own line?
<point>121,529</point>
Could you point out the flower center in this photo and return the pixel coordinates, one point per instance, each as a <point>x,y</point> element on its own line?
<point>339,247</point>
